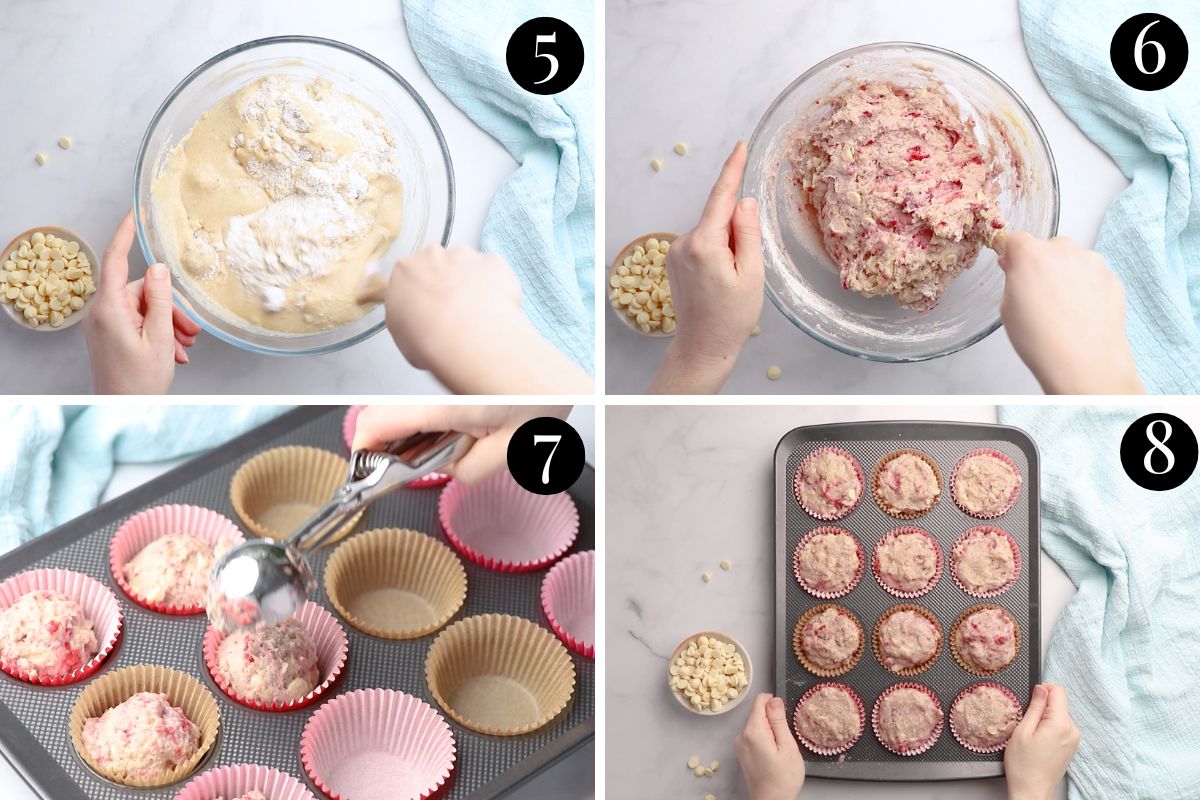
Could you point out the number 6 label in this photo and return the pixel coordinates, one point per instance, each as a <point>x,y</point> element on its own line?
<point>545,455</point>
<point>1148,52</point>
<point>545,56</point>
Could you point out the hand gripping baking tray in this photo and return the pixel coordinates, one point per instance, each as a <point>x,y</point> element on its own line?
<point>33,719</point>
<point>945,443</point>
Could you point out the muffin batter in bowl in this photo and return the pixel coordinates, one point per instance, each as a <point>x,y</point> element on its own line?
<point>277,198</point>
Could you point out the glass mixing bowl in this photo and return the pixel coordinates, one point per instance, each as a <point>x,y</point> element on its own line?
<point>425,170</point>
<point>803,281</point>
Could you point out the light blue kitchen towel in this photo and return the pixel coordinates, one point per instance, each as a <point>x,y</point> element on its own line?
<point>55,461</point>
<point>543,219</point>
<point>1151,234</point>
<point>1127,646</point>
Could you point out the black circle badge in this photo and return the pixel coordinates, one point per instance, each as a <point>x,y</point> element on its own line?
<point>545,55</point>
<point>1149,52</point>
<point>545,455</point>
<point>1159,452</point>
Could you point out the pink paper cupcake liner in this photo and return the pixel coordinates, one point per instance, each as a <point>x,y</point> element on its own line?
<point>569,601</point>
<point>950,716</point>
<point>97,602</point>
<point>332,648</point>
<point>234,780</point>
<point>153,523</point>
<point>377,744</point>
<point>501,526</point>
<point>986,451</point>
<point>937,573</point>
<point>862,484</point>
<point>349,423</point>
<point>1016,562</point>
<point>933,737</point>
<point>817,592</point>
<point>862,719</point>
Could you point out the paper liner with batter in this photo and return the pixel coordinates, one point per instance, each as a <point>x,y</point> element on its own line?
<point>395,583</point>
<point>235,780</point>
<point>500,675</point>
<point>954,731</point>
<point>987,451</point>
<point>967,665</point>
<point>569,601</point>
<point>1016,550</point>
<point>878,650</point>
<point>933,737</point>
<point>824,595</point>
<point>154,523</point>
<point>803,658</point>
<point>377,743</point>
<point>98,604</point>
<point>282,487</point>
<point>184,692</point>
<point>937,573</point>
<point>857,470</point>
<point>332,649</point>
<point>862,718</point>
<point>899,513</point>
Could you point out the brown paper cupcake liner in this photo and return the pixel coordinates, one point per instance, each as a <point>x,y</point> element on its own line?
<point>933,737</point>
<point>184,692</point>
<point>862,718</point>
<point>857,469</point>
<point>277,490</point>
<point>802,657</point>
<point>826,595</point>
<point>986,451</point>
<point>500,675</point>
<point>954,731</point>
<point>1016,550</point>
<point>962,661</point>
<point>898,514</point>
<point>395,584</point>
<point>878,650</point>
<point>937,572</point>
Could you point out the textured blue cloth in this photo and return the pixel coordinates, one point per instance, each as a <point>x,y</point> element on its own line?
<point>543,219</point>
<point>1127,646</point>
<point>1151,234</point>
<point>55,461</point>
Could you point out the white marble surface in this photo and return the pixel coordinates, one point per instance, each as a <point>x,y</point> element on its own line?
<point>97,72</point>
<point>686,488</point>
<point>703,72</point>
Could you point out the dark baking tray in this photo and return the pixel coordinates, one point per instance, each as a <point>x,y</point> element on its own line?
<point>945,442</point>
<point>33,719</point>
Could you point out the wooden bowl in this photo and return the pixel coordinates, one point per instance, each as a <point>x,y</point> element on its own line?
<point>626,251</point>
<point>84,247</point>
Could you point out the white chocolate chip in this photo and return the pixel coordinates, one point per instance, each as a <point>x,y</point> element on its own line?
<point>65,142</point>
<point>44,278</point>
<point>694,761</point>
<point>656,165</point>
<point>725,565</point>
<point>774,373</point>
<point>644,289</point>
<point>706,577</point>
<point>756,332</point>
<point>714,765</point>
<point>681,149</point>
<point>41,159</point>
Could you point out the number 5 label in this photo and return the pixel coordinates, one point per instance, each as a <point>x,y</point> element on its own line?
<point>545,56</point>
<point>1148,52</point>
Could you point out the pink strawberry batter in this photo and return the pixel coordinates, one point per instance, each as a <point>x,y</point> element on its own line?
<point>984,717</point>
<point>46,634</point>
<point>828,484</point>
<point>253,794</point>
<point>985,485</point>
<point>907,719</point>
<point>144,738</point>
<point>172,569</point>
<point>906,560</point>
<point>275,665</point>
<point>829,718</point>
<point>983,560</point>
<point>907,639</point>
<point>828,562</point>
<point>830,638</point>
<point>987,639</point>
<point>907,484</point>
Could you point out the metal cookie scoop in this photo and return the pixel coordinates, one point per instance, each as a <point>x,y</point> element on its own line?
<point>263,581</point>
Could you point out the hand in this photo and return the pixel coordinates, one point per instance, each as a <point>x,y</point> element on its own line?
<point>457,313</point>
<point>492,427</point>
<point>135,334</point>
<point>770,758</point>
<point>1041,746</point>
<point>716,276</point>
<point>1064,311</point>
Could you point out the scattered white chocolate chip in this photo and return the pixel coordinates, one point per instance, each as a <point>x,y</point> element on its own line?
<point>639,287</point>
<point>656,165</point>
<point>706,577</point>
<point>41,159</point>
<point>725,565</point>
<point>698,771</point>
<point>65,142</point>
<point>756,332</point>
<point>693,762</point>
<point>714,765</point>
<point>709,673</point>
<point>46,278</point>
<point>681,149</point>
<point>774,372</point>
<point>708,773</point>
<point>710,797</point>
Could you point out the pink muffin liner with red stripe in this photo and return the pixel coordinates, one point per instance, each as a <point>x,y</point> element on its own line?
<point>153,523</point>
<point>377,743</point>
<point>349,425</point>
<point>813,590</point>
<point>235,780</point>
<point>933,737</point>
<point>98,604</point>
<point>1016,550</point>
<point>499,525</point>
<point>862,484</point>
<point>937,573</point>
<point>332,648</point>
<point>569,601</point>
<point>950,716</point>
<point>862,718</point>
<point>987,451</point>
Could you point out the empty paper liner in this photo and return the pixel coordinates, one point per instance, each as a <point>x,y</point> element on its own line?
<point>396,584</point>
<point>98,604</point>
<point>277,491</point>
<point>182,690</point>
<point>377,744</point>
<point>154,523</point>
<point>569,601</point>
<point>332,648</point>
<point>502,526</point>
<point>499,674</point>
<point>235,780</point>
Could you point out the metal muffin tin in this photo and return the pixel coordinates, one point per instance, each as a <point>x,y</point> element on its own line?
<point>33,719</point>
<point>945,443</point>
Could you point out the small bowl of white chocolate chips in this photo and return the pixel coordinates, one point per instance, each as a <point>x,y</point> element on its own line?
<point>638,288</point>
<point>47,277</point>
<point>709,673</point>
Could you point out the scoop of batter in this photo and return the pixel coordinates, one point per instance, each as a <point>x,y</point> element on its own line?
<point>903,195</point>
